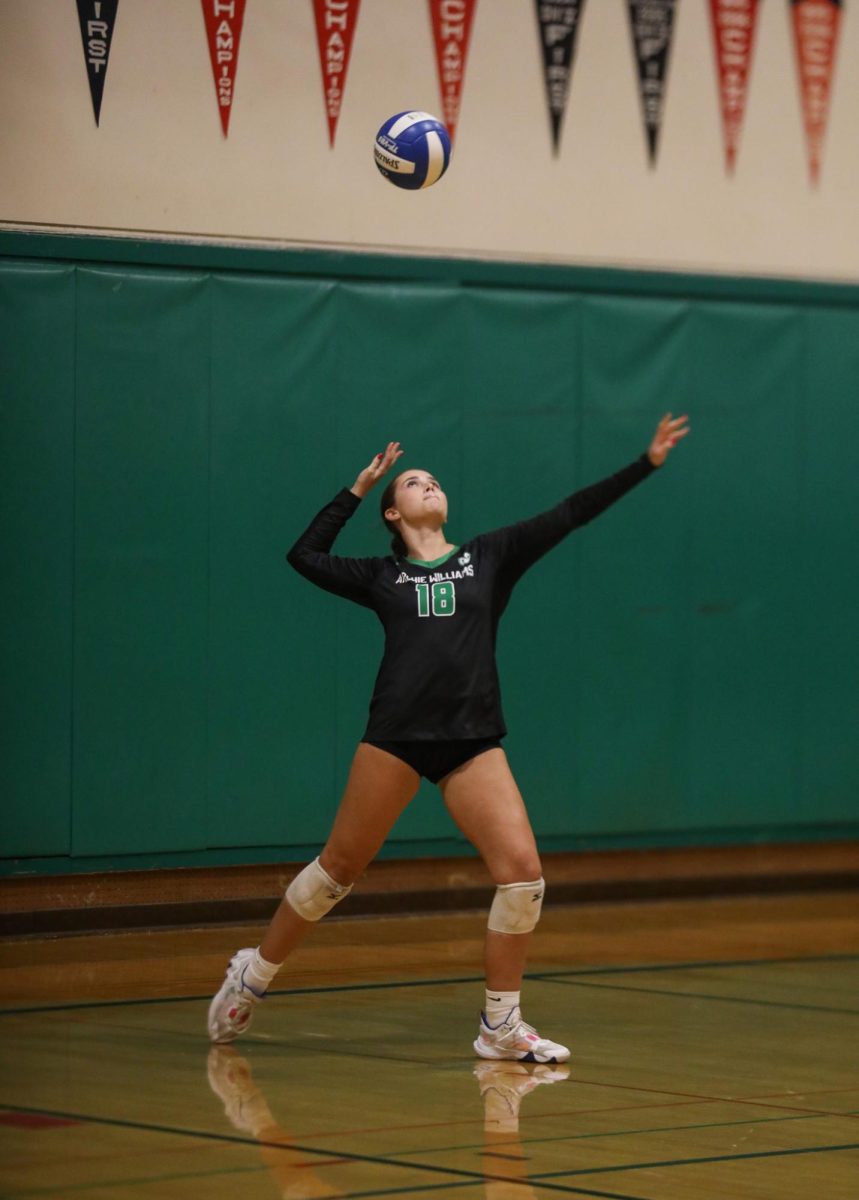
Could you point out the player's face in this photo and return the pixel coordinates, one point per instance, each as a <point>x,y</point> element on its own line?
<point>417,494</point>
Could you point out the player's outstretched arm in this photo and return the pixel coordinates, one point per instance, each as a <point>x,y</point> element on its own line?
<point>519,546</point>
<point>380,465</point>
<point>669,431</point>
<point>311,555</point>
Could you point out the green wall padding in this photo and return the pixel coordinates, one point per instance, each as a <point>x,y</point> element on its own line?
<point>141,561</point>
<point>824,575</point>
<point>37,393</point>
<point>682,670</point>
<point>272,649</point>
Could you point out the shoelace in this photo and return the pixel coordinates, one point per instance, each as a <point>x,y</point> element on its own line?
<point>520,1027</point>
<point>524,1029</point>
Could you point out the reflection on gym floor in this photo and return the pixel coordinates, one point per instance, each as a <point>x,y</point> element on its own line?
<point>712,1059</point>
<point>502,1085</point>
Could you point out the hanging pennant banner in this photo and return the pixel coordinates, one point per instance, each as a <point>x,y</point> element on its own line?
<point>335,29</point>
<point>816,25</point>
<point>558,23</point>
<point>734,24</point>
<point>652,25</point>
<point>223,20</point>
<point>97,20</point>
<point>451,28</point>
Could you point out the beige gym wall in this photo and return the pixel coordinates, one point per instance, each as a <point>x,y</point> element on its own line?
<point>160,164</point>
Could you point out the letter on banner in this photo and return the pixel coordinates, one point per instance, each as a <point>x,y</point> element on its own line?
<point>451,28</point>
<point>335,29</point>
<point>652,25</point>
<point>97,20</point>
<point>557,23</point>
<point>816,26</point>
<point>734,24</point>
<point>223,31</point>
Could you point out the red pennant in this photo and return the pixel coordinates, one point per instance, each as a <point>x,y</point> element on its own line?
<point>734,23</point>
<point>335,29</point>
<point>816,25</point>
<point>223,32</point>
<point>451,28</point>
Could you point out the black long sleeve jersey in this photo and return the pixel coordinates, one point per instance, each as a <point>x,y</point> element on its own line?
<point>438,679</point>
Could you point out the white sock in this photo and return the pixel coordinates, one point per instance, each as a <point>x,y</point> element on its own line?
<point>259,973</point>
<point>498,1005</point>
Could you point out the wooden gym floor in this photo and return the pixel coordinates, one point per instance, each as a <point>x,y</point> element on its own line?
<point>715,1052</point>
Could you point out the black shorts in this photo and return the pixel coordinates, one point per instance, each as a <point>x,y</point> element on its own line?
<point>434,760</point>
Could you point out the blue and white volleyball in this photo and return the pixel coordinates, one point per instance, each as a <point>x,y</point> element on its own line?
<point>412,150</point>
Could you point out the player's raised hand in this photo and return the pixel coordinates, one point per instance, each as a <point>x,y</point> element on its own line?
<point>669,431</point>
<point>380,465</point>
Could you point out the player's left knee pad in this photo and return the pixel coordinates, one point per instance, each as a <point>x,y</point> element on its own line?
<point>516,906</point>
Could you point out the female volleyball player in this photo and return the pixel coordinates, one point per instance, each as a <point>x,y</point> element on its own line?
<point>435,712</point>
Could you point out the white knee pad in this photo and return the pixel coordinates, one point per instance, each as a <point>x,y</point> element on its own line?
<point>516,907</point>
<point>313,892</point>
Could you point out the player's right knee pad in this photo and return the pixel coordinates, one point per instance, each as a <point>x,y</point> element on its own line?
<point>516,907</point>
<point>313,892</point>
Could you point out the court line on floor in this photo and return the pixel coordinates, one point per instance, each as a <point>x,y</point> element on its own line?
<point>23,1194</point>
<point>612,1133</point>
<point>693,964</point>
<point>298,991</point>
<point>458,1173</point>
<point>534,976</point>
<point>760,1101</point>
<point>692,1162</point>
<point>830,1091</point>
<point>15,1193</point>
<point>539,1179</point>
<point>476,1183</point>
<point>684,1099</point>
<point>368,1195</point>
<point>543,1116</point>
<point>650,991</point>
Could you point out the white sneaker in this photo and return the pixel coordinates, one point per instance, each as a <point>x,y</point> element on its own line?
<point>513,1038</point>
<point>231,1011</point>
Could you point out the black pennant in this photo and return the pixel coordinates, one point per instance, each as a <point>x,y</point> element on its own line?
<point>652,24</point>
<point>97,19</point>
<point>558,22</point>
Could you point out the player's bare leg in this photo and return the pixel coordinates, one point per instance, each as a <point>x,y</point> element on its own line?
<point>487,806</point>
<point>379,787</point>
<point>484,801</point>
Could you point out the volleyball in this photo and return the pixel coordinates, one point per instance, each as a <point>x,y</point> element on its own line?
<point>412,150</point>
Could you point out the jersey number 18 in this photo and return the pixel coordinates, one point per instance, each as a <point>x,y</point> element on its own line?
<point>442,596</point>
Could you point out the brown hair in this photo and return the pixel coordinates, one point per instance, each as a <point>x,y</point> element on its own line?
<point>399,549</point>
